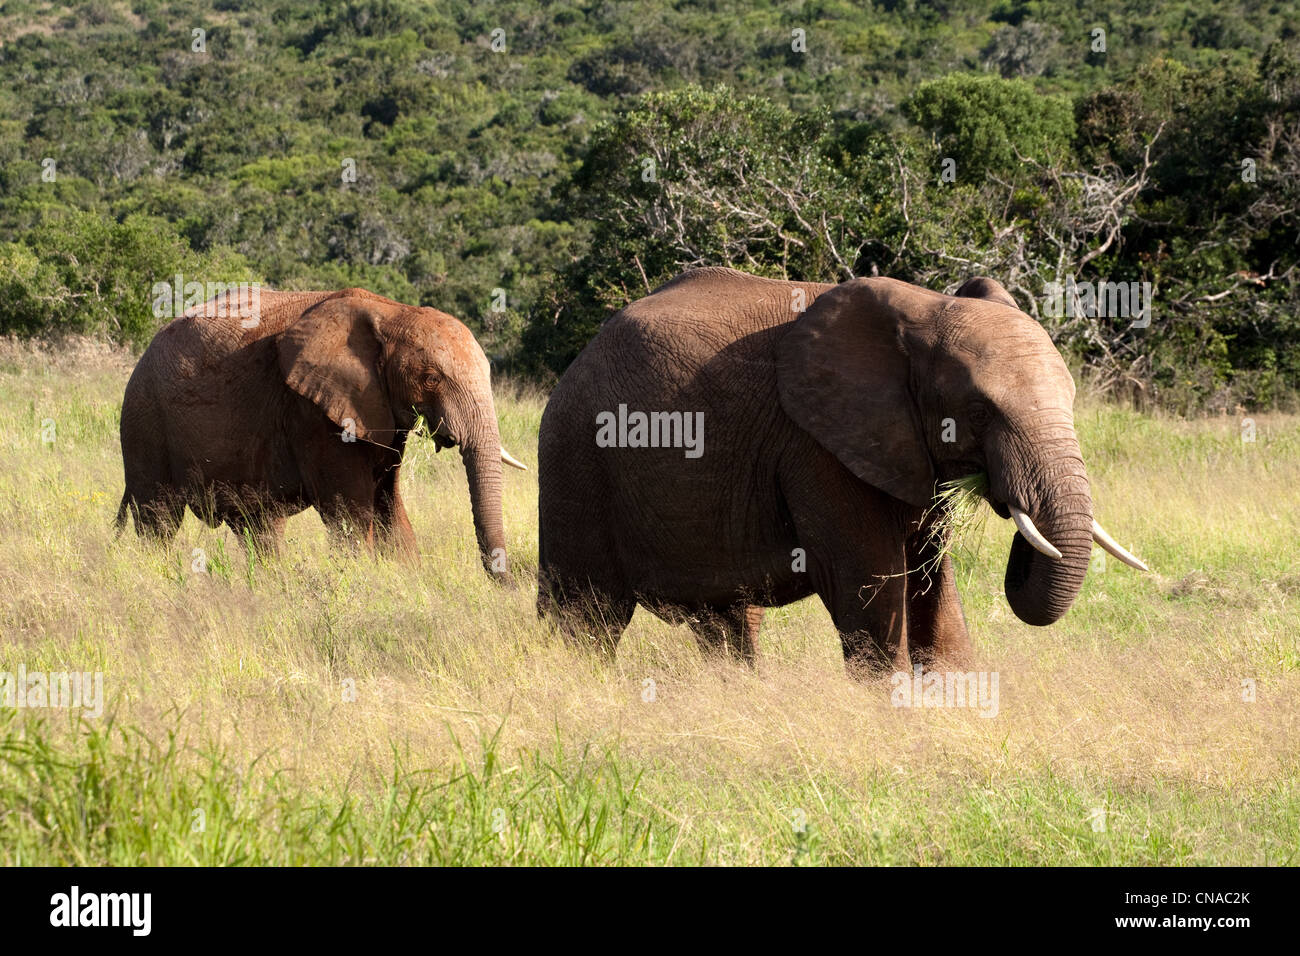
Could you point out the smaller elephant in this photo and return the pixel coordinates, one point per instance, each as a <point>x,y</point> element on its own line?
<point>251,412</point>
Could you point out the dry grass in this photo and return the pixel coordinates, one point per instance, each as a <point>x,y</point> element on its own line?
<point>1133,703</point>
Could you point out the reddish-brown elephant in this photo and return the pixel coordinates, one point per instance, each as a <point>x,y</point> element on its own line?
<point>253,411</point>
<point>821,419</point>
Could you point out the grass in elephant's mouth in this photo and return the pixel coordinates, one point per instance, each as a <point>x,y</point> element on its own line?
<point>957,511</point>
<point>328,708</point>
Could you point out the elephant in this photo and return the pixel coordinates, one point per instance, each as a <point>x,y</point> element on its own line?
<point>823,419</point>
<point>249,412</point>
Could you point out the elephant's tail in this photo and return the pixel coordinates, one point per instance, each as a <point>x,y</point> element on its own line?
<point>120,521</point>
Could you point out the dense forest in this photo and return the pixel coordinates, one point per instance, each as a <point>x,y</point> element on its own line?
<point>530,166</point>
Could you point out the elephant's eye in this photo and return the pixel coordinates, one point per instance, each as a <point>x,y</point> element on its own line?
<point>979,414</point>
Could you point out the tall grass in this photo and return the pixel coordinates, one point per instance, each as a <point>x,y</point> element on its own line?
<point>328,708</point>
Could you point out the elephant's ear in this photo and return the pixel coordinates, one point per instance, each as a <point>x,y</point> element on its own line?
<point>843,373</point>
<point>982,287</point>
<point>331,356</point>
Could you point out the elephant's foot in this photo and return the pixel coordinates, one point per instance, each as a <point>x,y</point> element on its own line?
<point>261,536</point>
<point>157,518</point>
<point>950,651</point>
<point>873,627</point>
<point>593,630</point>
<point>731,632</point>
<point>350,530</point>
<point>868,656</point>
<point>585,617</point>
<point>398,544</point>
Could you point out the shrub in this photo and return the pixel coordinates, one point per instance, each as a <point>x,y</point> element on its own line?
<point>79,272</point>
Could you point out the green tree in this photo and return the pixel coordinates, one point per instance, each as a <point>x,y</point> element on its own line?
<point>983,121</point>
<point>78,272</point>
<point>692,178</point>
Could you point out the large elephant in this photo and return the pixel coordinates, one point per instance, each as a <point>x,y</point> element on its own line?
<point>251,412</point>
<point>793,438</point>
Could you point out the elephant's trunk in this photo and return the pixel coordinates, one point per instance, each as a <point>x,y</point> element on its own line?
<point>1042,472</point>
<point>483,466</point>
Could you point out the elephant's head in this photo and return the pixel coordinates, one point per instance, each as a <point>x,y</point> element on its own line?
<point>372,365</point>
<point>909,388</point>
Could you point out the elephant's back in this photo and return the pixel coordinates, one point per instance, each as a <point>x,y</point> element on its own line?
<point>703,312</point>
<point>207,338</point>
<point>700,319</point>
<point>701,351</point>
<point>699,338</point>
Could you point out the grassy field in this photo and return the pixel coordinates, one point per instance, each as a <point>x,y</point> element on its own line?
<point>333,709</point>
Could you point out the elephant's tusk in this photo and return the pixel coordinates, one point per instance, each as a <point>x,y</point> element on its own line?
<point>1032,534</point>
<point>512,461</point>
<point>1108,543</point>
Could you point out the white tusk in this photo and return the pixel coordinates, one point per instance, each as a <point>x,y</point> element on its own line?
<point>1032,534</point>
<point>1108,543</point>
<point>512,461</point>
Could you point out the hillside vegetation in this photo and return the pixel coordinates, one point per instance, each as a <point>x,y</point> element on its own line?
<point>530,166</point>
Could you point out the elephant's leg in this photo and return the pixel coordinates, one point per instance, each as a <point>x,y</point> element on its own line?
<point>580,584</point>
<point>732,630</point>
<point>350,520</point>
<point>155,501</point>
<point>395,533</point>
<point>344,492</point>
<point>586,614</point>
<point>852,538</point>
<point>868,604</point>
<point>391,522</point>
<point>272,535</point>
<point>158,516</point>
<point>866,596</point>
<point>936,627</point>
<point>342,481</point>
<point>261,531</point>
